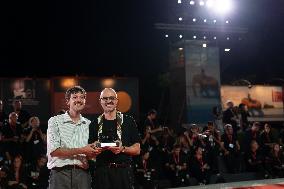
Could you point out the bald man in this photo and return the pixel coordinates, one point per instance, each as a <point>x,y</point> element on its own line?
<point>113,164</point>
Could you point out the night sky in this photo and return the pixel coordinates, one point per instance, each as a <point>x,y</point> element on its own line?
<point>118,38</point>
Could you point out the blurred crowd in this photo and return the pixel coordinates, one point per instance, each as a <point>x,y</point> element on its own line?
<point>183,156</point>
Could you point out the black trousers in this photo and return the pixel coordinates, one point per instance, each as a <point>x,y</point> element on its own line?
<point>114,178</point>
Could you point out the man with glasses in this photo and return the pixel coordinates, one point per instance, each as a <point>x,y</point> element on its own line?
<point>113,164</point>
<point>67,145</point>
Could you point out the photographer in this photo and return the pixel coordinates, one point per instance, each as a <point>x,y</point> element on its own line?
<point>35,142</point>
<point>114,163</point>
<point>177,166</point>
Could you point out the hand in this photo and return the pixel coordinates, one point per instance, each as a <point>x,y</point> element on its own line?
<point>90,151</point>
<point>115,150</point>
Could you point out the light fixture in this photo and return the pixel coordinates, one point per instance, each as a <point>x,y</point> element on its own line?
<point>194,19</point>
<point>194,37</point>
<point>167,35</point>
<point>204,20</point>
<point>204,45</point>
<point>180,18</point>
<point>204,37</point>
<point>179,1</point>
<point>180,36</point>
<point>227,21</point>
<point>180,49</point>
<point>201,3</point>
<point>192,2</point>
<point>215,37</point>
<point>228,38</point>
<point>227,50</point>
<point>214,21</point>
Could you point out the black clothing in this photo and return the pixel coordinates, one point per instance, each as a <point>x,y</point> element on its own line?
<point>129,137</point>
<point>114,170</point>
<point>13,147</point>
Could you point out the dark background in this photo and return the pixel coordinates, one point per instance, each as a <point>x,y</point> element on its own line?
<point>118,38</point>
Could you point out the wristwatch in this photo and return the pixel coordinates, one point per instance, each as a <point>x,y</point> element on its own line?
<point>123,149</point>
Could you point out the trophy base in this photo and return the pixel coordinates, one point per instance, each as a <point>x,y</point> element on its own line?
<point>107,144</point>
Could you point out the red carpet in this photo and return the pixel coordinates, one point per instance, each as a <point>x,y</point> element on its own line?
<point>270,186</point>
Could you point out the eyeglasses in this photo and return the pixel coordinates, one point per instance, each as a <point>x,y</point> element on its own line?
<point>108,98</point>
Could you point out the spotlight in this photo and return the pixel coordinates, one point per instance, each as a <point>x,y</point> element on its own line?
<point>227,21</point>
<point>194,37</point>
<point>228,38</point>
<point>180,18</point>
<point>223,6</point>
<point>214,21</point>
<point>201,3</point>
<point>166,35</point>
<point>194,19</point>
<point>209,3</point>
<point>180,36</point>
<point>179,1</point>
<point>192,2</point>
<point>204,45</point>
<point>227,50</point>
<point>204,37</point>
<point>204,20</point>
<point>215,37</point>
<point>180,49</point>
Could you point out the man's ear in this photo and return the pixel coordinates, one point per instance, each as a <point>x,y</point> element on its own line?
<point>67,102</point>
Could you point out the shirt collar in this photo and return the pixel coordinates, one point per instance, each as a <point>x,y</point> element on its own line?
<point>67,119</point>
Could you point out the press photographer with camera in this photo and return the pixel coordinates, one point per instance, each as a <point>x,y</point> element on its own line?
<point>35,140</point>
<point>117,136</point>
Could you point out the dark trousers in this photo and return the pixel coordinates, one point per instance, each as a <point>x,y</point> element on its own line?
<point>114,178</point>
<point>69,179</point>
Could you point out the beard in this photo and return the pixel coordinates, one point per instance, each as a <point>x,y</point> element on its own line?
<point>109,107</point>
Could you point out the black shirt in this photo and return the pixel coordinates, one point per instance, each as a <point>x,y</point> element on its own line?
<point>129,137</point>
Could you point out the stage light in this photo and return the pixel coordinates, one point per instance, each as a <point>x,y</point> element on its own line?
<point>194,19</point>
<point>201,3</point>
<point>108,83</point>
<point>227,50</point>
<point>204,37</point>
<point>180,36</point>
<point>180,18</point>
<point>209,3</point>
<point>228,38</point>
<point>227,21</point>
<point>215,37</point>
<point>166,35</point>
<point>179,1</point>
<point>223,6</point>
<point>194,37</point>
<point>214,21</point>
<point>204,20</point>
<point>180,49</point>
<point>192,2</point>
<point>204,45</point>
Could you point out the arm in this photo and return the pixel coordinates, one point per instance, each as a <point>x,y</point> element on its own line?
<point>132,150</point>
<point>54,148</point>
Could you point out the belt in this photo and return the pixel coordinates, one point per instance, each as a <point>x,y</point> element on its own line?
<point>67,167</point>
<point>119,165</point>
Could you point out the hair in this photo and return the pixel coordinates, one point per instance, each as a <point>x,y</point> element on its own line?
<point>210,123</point>
<point>74,90</point>
<point>32,118</point>
<point>152,111</point>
